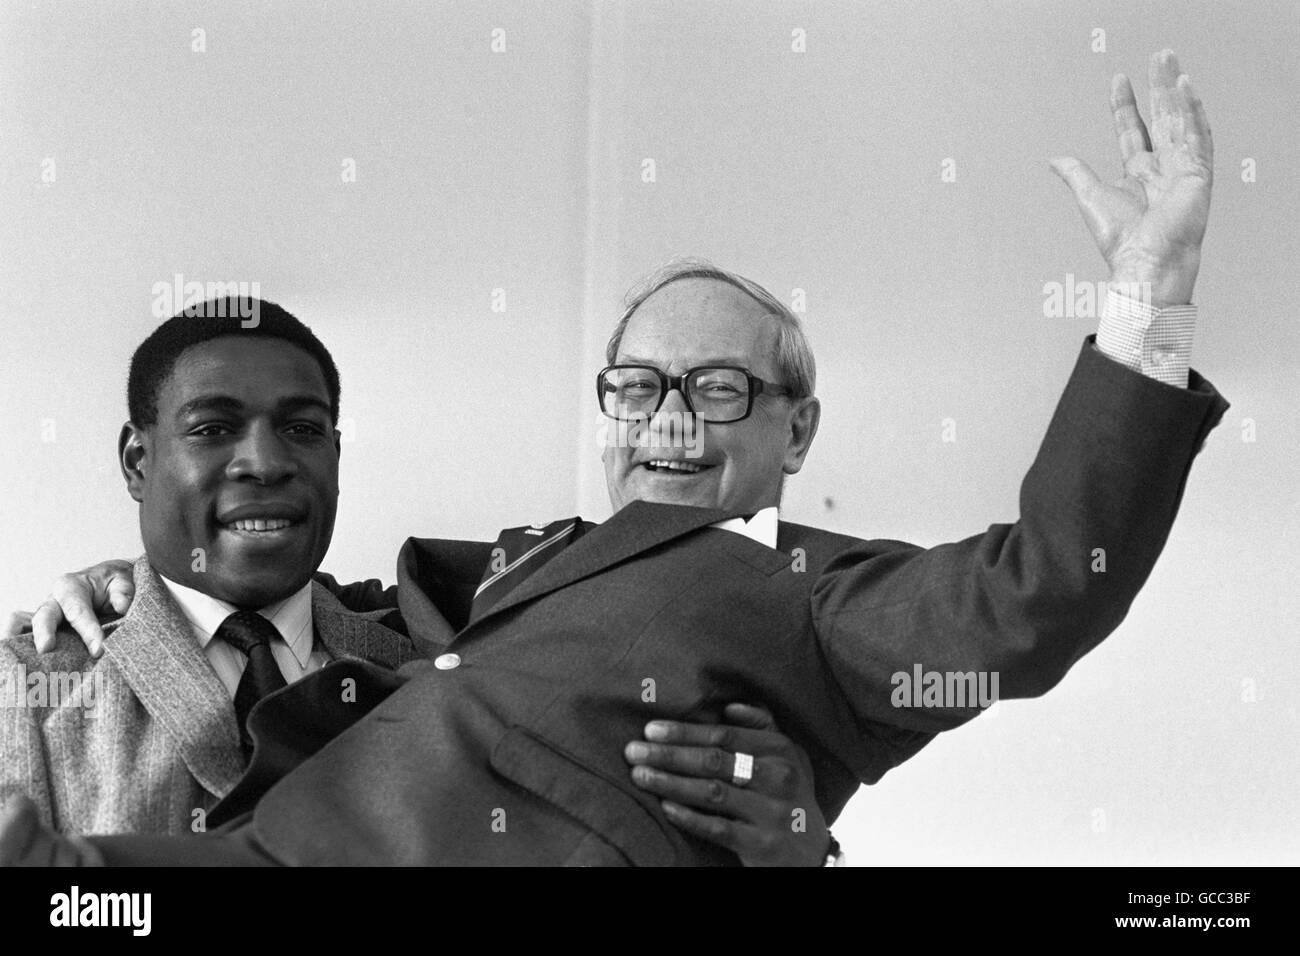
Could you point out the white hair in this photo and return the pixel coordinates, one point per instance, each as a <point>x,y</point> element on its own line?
<point>794,357</point>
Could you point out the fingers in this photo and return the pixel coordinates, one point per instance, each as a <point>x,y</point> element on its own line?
<point>121,591</point>
<point>1196,127</point>
<point>690,767</point>
<point>76,596</point>
<point>725,833</point>
<point>708,750</point>
<point>754,845</point>
<point>1166,116</point>
<point>750,728</point>
<point>17,622</point>
<point>709,762</point>
<point>774,774</point>
<point>45,625</point>
<point>1129,128</point>
<point>1177,117</point>
<point>711,796</point>
<point>695,735</point>
<point>749,715</point>
<point>84,622</point>
<point>70,600</point>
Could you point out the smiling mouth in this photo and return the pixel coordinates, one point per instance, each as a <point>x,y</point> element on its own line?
<point>664,467</point>
<point>260,526</point>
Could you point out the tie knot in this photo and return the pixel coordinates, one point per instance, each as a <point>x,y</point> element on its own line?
<point>245,630</point>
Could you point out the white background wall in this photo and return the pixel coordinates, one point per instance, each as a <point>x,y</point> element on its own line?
<point>522,170</point>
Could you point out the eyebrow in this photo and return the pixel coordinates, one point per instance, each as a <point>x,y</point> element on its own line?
<point>227,403</point>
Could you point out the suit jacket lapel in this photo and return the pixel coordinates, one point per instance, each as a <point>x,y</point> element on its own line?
<point>436,581</point>
<point>350,636</point>
<point>635,528</point>
<point>154,648</point>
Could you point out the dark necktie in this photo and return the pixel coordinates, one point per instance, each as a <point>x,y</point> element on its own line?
<point>251,633</point>
<point>518,553</point>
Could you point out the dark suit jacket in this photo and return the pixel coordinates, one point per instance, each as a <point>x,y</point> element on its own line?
<point>515,755</point>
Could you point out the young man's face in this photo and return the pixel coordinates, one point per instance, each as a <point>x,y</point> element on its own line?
<point>238,478</point>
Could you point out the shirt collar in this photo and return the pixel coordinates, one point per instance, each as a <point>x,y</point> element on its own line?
<point>760,528</point>
<point>291,616</point>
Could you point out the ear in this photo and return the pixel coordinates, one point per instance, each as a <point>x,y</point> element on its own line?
<point>803,429</point>
<point>338,443</point>
<point>132,448</point>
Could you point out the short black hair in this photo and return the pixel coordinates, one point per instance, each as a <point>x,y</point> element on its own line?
<point>154,360</point>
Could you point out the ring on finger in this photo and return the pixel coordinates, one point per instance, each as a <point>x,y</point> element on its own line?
<point>743,770</point>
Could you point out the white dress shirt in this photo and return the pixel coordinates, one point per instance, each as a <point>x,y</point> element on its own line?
<point>295,653</point>
<point>760,528</point>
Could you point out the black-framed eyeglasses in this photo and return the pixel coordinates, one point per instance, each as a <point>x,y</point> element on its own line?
<point>714,393</point>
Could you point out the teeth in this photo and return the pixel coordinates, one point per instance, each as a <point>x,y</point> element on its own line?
<point>685,466</point>
<point>260,524</point>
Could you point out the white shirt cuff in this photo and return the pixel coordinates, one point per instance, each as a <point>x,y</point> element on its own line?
<point>1155,342</point>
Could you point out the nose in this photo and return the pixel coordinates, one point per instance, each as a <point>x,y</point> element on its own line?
<point>668,427</point>
<point>262,455</point>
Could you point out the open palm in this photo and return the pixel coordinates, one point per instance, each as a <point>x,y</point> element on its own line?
<point>1149,225</point>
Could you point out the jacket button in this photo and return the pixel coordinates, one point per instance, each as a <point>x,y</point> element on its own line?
<point>445,662</point>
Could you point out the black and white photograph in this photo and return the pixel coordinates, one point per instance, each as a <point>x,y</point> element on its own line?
<point>651,433</point>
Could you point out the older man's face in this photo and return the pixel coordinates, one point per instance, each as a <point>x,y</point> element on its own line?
<point>735,466</point>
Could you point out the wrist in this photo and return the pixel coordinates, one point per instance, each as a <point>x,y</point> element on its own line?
<point>1159,284</point>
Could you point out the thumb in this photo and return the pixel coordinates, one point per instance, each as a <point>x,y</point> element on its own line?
<point>1075,174</point>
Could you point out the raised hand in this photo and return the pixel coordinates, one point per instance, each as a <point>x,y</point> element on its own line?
<point>1149,225</point>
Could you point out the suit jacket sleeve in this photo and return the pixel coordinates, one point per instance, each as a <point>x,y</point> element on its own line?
<point>1023,600</point>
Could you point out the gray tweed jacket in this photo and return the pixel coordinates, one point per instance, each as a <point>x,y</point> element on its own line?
<point>143,740</point>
